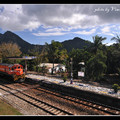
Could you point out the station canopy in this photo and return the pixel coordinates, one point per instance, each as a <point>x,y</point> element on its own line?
<point>23,58</point>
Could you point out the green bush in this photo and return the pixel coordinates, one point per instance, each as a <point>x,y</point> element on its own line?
<point>64,75</point>
<point>65,78</point>
<point>34,68</point>
<point>116,87</point>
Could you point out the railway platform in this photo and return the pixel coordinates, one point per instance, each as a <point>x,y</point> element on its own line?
<point>78,85</point>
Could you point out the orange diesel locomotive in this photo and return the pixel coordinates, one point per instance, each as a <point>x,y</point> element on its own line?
<point>13,70</point>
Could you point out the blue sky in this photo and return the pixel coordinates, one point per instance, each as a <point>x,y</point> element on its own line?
<point>40,23</point>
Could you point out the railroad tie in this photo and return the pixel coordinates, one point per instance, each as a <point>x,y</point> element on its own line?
<point>45,106</point>
<point>51,109</point>
<point>105,109</point>
<point>48,108</point>
<point>38,103</point>
<point>100,107</point>
<point>117,112</point>
<point>94,105</point>
<point>61,113</point>
<point>58,111</point>
<point>41,105</point>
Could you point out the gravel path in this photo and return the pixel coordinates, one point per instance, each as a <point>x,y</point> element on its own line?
<point>22,106</point>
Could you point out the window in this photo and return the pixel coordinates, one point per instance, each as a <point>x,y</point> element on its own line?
<point>18,67</point>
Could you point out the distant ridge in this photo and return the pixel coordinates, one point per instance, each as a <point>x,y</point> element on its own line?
<point>75,43</point>
<point>12,37</point>
<point>9,36</point>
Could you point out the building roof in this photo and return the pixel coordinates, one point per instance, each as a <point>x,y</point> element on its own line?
<point>23,58</point>
<point>50,65</point>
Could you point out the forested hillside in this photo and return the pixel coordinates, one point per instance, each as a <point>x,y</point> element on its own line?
<point>25,46</point>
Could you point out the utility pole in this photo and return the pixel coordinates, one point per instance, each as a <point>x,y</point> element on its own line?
<point>25,66</point>
<point>71,81</point>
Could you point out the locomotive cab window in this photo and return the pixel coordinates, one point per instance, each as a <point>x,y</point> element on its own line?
<point>18,67</point>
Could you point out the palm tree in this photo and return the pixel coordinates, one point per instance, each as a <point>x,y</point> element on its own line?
<point>117,39</point>
<point>97,42</point>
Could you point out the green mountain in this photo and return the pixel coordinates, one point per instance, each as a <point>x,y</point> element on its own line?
<point>25,46</point>
<point>11,37</point>
<point>75,43</point>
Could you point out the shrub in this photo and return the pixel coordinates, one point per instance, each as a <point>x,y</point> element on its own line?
<point>116,87</point>
<point>64,75</point>
<point>65,78</point>
<point>34,68</point>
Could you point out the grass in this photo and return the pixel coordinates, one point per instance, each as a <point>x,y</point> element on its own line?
<point>6,109</point>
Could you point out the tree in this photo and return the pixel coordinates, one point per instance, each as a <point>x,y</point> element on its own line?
<point>40,57</point>
<point>34,63</point>
<point>117,39</point>
<point>9,50</point>
<point>96,66</point>
<point>78,55</point>
<point>63,56</point>
<point>113,59</point>
<point>97,43</point>
<point>53,51</point>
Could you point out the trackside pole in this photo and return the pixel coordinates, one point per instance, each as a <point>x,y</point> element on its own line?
<point>71,81</point>
<point>25,67</point>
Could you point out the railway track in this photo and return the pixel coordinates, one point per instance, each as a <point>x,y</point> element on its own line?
<point>51,109</point>
<point>86,104</point>
<point>100,108</point>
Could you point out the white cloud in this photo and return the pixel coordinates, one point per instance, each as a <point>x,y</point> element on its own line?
<point>18,17</point>
<point>106,29</point>
<point>32,25</point>
<point>57,17</point>
<point>110,43</point>
<point>13,18</point>
<point>49,34</point>
<point>84,32</point>
<point>58,29</point>
<point>72,20</point>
